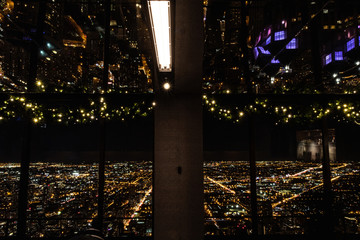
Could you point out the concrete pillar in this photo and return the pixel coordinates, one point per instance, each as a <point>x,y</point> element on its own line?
<point>178,150</point>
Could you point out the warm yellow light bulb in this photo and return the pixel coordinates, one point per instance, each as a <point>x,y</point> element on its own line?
<point>166,86</point>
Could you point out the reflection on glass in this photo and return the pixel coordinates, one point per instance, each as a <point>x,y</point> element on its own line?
<point>227,198</point>
<point>59,47</point>
<point>346,189</point>
<point>310,145</point>
<point>293,192</point>
<point>283,188</point>
<point>290,34</point>
<point>62,198</point>
<point>9,175</point>
<point>223,55</point>
<point>71,56</point>
<point>130,67</point>
<point>128,199</point>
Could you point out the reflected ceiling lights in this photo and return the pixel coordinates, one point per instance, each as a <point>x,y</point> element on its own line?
<point>160,23</point>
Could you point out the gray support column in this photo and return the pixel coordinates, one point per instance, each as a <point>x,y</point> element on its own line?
<point>178,176</point>
<point>178,150</point>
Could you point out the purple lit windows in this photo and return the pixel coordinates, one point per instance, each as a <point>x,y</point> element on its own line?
<point>339,56</point>
<point>350,44</point>
<point>269,31</point>
<point>256,53</point>
<point>281,35</point>
<point>293,44</point>
<point>258,39</point>
<point>328,59</point>
<point>268,40</point>
<point>275,60</point>
<point>263,51</point>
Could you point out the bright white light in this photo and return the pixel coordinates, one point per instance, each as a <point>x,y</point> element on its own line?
<point>335,75</point>
<point>160,23</point>
<point>337,80</point>
<point>49,45</point>
<point>357,63</point>
<point>166,86</point>
<point>272,80</point>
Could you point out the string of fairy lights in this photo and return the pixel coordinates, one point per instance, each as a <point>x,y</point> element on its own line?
<point>338,110</point>
<point>19,108</point>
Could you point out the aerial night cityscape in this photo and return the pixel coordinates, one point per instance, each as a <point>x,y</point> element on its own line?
<point>99,132</point>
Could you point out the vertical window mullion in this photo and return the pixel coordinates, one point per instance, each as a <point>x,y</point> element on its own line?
<point>24,179</point>
<point>102,144</point>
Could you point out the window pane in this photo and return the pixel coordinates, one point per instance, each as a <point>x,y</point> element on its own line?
<point>226,178</point>
<point>63,181</point>
<point>10,150</point>
<point>71,54</point>
<point>345,172</point>
<point>128,190</point>
<point>128,200</point>
<point>17,25</point>
<point>280,35</point>
<point>227,198</point>
<point>290,196</point>
<point>131,49</point>
<point>223,54</point>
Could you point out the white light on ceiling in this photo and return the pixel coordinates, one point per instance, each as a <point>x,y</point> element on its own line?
<point>166,86</point>
<point>160,23</point>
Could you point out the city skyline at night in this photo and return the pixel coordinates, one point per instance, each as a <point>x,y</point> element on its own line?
<point>249,131</point>
<point>288,192</point>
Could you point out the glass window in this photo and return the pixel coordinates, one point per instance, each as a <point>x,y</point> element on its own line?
<point>227,198</point>
<point>256,53</point>
<point>275,61</point>
<point>226,178</point>
<point>130,63</point>
<point>61,47</point>
<point>128,187</point>
<point>281,35</point>
<point>328,59</point>
<point>71,56</point>
<point>268,40</point>
<point>223,62</point>
<point>293,44</point>
<point>339,56</point>
<point>10,149</point>
<point>345,172</point>
<point>263,51</point>
<point>350,45</point>
<point>63,180</point>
